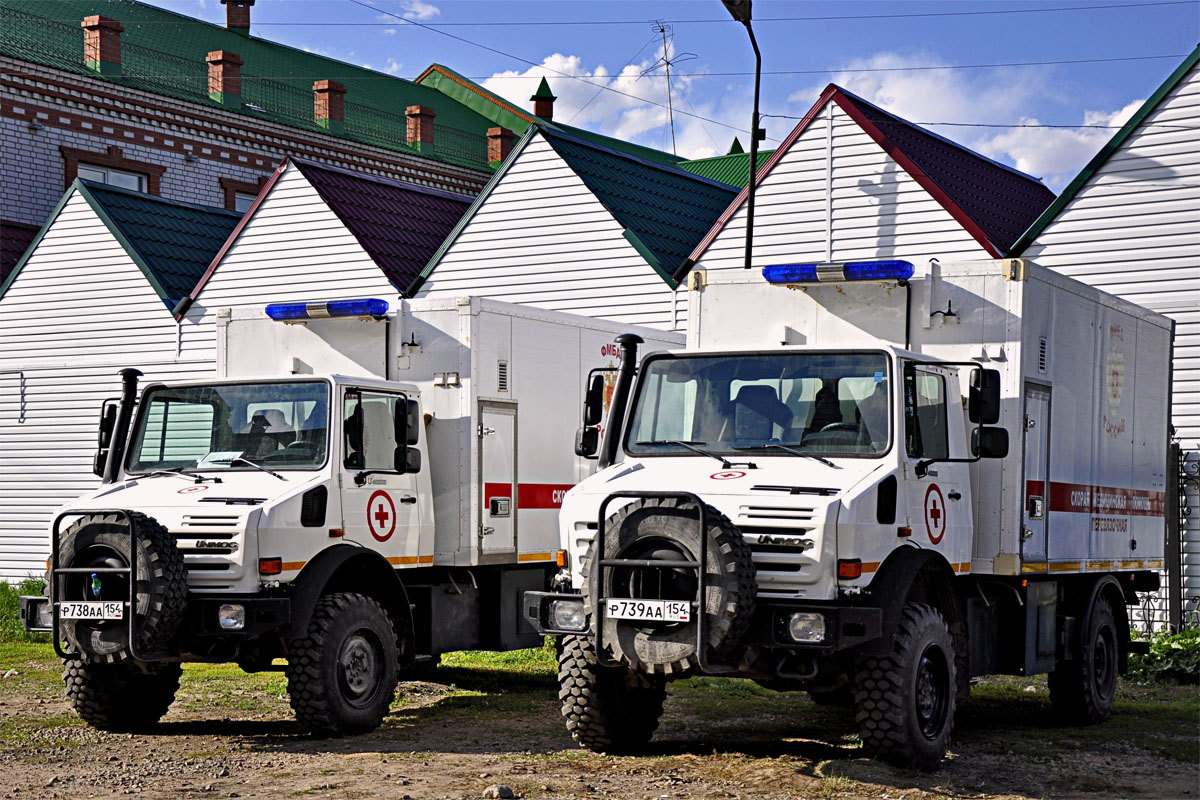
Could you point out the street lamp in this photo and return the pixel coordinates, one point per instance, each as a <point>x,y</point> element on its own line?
<point>740,11</point>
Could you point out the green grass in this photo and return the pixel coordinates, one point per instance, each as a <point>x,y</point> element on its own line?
<point>11,629</point>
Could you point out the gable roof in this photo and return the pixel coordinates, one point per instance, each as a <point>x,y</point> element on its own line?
<point>992,201</point>
<point>1092,167</point>
<point>507,115</point>
<point>732,169</point>
<point>164,52</point>
<point>15,238</point>
<point>663,210</point>
<point>170,242</point>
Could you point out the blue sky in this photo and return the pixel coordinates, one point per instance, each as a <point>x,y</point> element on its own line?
<point>881,50</point>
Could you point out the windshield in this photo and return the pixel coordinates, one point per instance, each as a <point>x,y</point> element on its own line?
<point>281,425</point>
<point>818,403</point>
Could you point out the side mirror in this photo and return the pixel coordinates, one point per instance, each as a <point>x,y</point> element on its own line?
<point>983,399</point>
<point>413,422</point>
<point>400,423</point>
<point>989,442</point>
<point>108,421</point>
<point>593,401</point>
<point>406,460</point>
<point>587,441</point>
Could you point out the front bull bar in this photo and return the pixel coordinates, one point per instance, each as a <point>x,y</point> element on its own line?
<point>698,604</point>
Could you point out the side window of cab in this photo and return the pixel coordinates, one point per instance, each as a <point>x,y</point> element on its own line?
<point>925,431</point>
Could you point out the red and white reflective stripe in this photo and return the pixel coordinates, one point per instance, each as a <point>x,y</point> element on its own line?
<point>1082,498</point>
<point>529,495</point>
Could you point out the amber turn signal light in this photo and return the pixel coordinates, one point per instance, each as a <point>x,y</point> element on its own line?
<point>849,568</point>
<point>270,566</point>
<point>560,558</point>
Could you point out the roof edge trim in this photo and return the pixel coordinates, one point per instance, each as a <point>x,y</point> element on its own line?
<point>477,89</point>
<point>649,257</point>
<point>123,240</point>
<point>470,213</point>
<point>1092,167</point>
<point>37,239</point>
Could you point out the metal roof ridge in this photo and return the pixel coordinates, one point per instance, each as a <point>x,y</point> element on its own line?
<point>557,132</point>
<point>303,163</point>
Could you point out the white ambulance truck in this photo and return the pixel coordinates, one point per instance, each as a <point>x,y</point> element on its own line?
<point>870,485</point>
<point>361,490</point>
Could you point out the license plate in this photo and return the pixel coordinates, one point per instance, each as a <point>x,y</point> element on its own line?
<point>92,610</point>
<point>649,610</point>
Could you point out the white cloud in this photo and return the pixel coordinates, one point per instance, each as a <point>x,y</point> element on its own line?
<point>393,66</point>
<point>419,10</point>
<point>389,31</point>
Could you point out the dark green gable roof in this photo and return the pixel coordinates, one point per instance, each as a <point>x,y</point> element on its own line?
<point>1093,166</point>
<point>164,53</point>
<point>732,169</point>
<point>172,243</point>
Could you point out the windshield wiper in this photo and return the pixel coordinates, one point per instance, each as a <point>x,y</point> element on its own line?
<point>726,463</point>
<point>178,472</point>
<point>258,467</point>
<point>793,450</point>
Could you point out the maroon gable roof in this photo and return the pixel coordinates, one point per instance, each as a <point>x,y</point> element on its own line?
<point>15,238</point>
<point>400,225</point>
<point>993,202</point>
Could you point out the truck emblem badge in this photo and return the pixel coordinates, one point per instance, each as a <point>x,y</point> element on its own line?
<point>935,513</point>
<point>199,487</point>
<point>381,515</point>
<point>728,475</point>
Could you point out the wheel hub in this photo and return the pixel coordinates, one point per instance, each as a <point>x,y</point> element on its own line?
<point>358,665</point>
<point>932,691</point>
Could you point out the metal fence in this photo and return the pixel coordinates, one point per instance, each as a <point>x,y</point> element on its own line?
<point>155,71</point>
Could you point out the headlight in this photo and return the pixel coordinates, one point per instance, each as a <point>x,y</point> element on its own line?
<point>568,615</point>
<point>231,617</point>
<point>43,615</point>
<point>807,627</point>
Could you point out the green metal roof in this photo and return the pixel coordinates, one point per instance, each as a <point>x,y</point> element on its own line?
<point>171,242</point>
<point>732,169</point>
<point>1093,166</point>
<point>507,115</point>
<point>164,52</point>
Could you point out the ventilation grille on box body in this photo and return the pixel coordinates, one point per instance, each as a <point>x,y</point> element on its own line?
<point>1042,354</point>
<point>502,376</point>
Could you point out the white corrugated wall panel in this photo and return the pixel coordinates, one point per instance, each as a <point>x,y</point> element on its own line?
<point>79,311</point>
<point>541,238</point>
<point>836,195</point>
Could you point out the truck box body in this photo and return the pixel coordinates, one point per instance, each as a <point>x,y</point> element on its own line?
<point>500,390</point>
<point>1085,377</point>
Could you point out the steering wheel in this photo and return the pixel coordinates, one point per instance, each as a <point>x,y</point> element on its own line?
<point>848,427</point>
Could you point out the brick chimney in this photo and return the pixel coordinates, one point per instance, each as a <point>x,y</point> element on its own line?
<point>237,15</point>
<point>102,44</point>
<point>500,142</point>
<point>329,106</point>
<point>225,78</point>
<point>543,101</point>
<point>420,128</point>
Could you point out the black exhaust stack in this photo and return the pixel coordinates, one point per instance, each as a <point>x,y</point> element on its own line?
<point>120,433</point>
<point>616,413</point>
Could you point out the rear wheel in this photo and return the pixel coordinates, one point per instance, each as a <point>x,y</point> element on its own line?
<point>905,700</point>
<point>123,697</point>
<point>342,674</point>
<point>608,710</point>
<point>1083,690</point>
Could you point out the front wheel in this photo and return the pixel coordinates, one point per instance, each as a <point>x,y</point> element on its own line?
<point>342,675</point>
<point>121,698</point>
<point>905,700</point>
<point>608,710</point>
<point>1083,690</point>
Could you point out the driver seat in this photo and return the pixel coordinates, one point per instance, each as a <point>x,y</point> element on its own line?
<point>757,410</point>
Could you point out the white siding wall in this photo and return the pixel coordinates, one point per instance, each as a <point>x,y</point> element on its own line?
<point>79,311</point>
<point>1134,230</point>
<point>293,248</point>
<point>837,196</point>
<point>543,239</point>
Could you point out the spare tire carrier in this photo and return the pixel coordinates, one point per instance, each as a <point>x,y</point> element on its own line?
<point>597,575</point>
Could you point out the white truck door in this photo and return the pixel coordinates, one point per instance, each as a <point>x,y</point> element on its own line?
<point>379,505</point>
<point>1037,479</point>
<point>498,496</point>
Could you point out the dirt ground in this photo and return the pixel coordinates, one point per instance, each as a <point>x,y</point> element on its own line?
<point>485,721</point>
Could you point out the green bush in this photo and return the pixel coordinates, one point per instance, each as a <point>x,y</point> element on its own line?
<point>1173,657</point>
<point>11,629</point>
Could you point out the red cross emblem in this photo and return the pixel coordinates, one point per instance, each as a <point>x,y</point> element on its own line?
<point>935,513</point>
<point>728,475</point>
<point>381,515</point>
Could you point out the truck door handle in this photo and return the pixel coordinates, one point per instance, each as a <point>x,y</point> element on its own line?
<point>409,499</point>
<point>954,496</point>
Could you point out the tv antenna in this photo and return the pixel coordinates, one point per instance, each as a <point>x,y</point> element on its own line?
<point>666,61</point>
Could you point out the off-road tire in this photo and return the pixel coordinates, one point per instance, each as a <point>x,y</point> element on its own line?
<point>904,701</point>
<point>161,588</point>
<point>608,710</point>
<point>670,651</point>
<point>1083,689</point>
<point>342,674</point>
<point>122,698</point>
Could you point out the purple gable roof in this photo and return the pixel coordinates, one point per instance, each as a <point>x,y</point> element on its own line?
<point>400,225</point>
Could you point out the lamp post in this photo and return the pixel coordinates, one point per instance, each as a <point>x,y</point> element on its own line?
<point>740,11</point>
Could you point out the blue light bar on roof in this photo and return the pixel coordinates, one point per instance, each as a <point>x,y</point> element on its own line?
<point>288,312</point>
<point>839,273</point>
